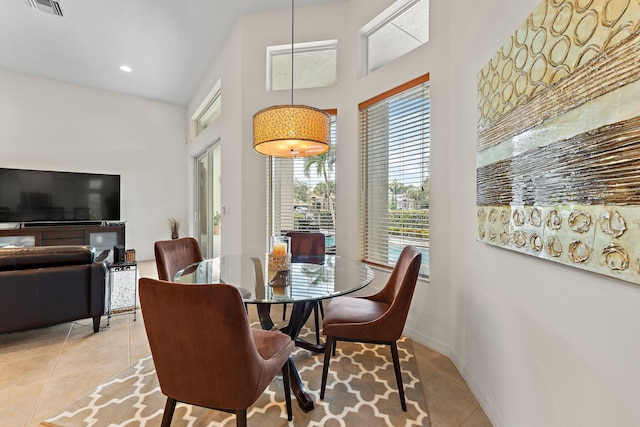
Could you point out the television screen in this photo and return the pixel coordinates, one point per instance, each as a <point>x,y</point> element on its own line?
<point>34,195</point>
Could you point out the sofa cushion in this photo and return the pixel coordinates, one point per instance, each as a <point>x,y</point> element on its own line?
<point>44,256</point>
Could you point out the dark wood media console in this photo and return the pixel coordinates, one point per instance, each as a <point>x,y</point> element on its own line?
<point>102,237</point>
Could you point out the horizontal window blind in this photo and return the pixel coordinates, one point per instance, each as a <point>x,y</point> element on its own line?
<point>301,193</point>
<point>394,197</point>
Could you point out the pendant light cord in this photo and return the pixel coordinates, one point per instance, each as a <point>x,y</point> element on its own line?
<point>292,52</point>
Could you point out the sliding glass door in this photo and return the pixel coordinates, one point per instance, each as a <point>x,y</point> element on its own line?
<point>207,209</point>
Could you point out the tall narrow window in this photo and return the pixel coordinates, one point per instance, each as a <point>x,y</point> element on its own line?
<point>395,139</point>
<point>301,193</point>
<point>207,201</point>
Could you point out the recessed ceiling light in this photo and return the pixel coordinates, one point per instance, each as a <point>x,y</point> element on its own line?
<point>125,68</point>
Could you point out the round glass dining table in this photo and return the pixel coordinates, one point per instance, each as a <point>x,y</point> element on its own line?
<point>308,279</point>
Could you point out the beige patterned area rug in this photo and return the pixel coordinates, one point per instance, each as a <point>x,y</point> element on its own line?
<point>361,391</point>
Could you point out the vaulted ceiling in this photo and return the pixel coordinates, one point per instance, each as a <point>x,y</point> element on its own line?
<point>169,44</point>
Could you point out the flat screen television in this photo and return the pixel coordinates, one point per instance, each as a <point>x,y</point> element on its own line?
<point>28,196</point>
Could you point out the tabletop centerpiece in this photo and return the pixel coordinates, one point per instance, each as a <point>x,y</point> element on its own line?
<point>280,253</point>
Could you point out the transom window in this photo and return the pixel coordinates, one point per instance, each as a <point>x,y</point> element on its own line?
<point>398,30</point>
<point>208,111</point>
<point>314,65</point>
<point>394,198</point>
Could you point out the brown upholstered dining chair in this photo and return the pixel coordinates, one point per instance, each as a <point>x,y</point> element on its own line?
<point>308,247</point>
<point>174,255</point>
<point>377,319</point>
<point>204,350</point>
<point>307,244</point>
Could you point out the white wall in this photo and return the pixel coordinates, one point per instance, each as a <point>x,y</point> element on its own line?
<point>224,131</point>
<point>45,124</point>
<point>539,343</point>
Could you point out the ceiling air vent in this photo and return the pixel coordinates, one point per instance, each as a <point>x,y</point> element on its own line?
<point>49,6</point>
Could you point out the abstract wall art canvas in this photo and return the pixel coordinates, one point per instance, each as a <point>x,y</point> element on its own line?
<point>558,141</point>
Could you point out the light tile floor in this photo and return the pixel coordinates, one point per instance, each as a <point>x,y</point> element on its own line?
<point>43,371</point>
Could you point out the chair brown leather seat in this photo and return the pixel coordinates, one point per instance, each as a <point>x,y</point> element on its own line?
<point>377,319</point>
<point>174,255</point>
<point>204,350</point>
<point>356,312</point>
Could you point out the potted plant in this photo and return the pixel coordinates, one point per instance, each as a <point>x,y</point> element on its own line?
<point>216,223</point>
<point>174,226</point>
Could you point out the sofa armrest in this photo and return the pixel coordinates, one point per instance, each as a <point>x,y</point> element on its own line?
<point>97,288</point>
<point>102,257</point>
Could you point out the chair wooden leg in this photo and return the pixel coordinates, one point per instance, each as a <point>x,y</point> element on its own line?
<point>169,407</point>
<point>241,418</point>
<point>287,389</point>
<point>396,365</point>
<point>284,311</point>
<point>325,367</point>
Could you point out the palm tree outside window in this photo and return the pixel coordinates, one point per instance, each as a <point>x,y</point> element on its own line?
<point>301,193</point>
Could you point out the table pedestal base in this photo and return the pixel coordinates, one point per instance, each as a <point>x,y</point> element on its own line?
<point>299,316</point>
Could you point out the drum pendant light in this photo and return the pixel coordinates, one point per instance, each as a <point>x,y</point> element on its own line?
<point>291,130</point>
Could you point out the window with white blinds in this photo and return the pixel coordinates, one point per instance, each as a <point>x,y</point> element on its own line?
<point>301,193</point>
<point>394,197</point>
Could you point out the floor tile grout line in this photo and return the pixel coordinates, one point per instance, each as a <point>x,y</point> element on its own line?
<point>129,337</point>
<point>470,415</point>
<point>434,369</point>
<point>445,373</point>
<point>418,372</point>
<point>44,387</point>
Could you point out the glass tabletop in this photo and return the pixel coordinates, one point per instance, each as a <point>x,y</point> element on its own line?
<point>307,279</point>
